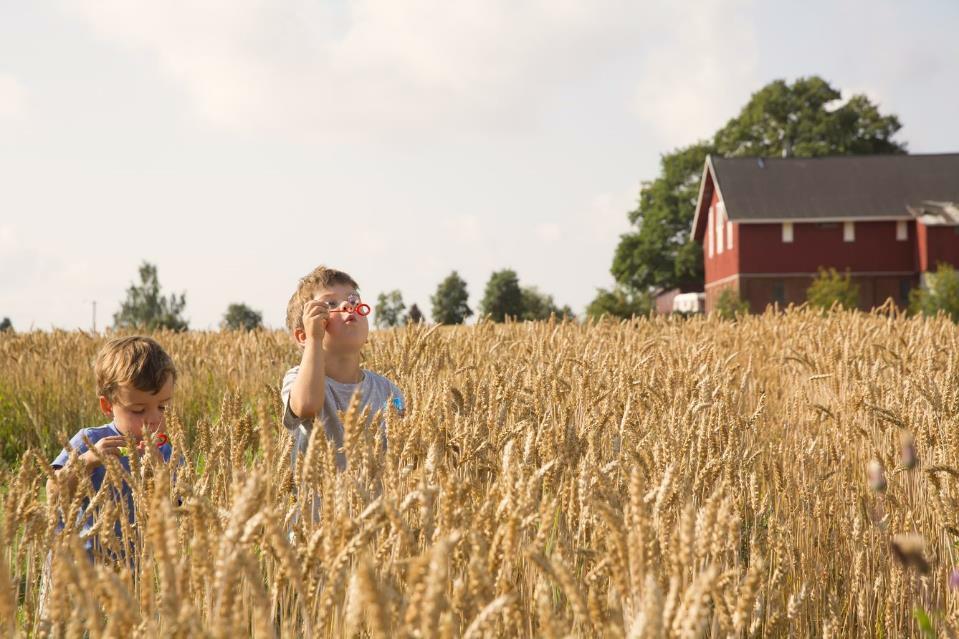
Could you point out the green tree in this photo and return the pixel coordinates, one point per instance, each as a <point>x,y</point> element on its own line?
<point>449,301</point>
<point>389,310</point>
<point>540,306</point>
<point>802,119</point>
<point>240,317</point>
<point>729,305</point>
<point>660,253</point>
<point>146,308</point>
<point>941,293</point>
<point>830,287</point>
<point>415,316</point>
<point>6,325</point>
<point>503,297</point>
<point>620,302</point>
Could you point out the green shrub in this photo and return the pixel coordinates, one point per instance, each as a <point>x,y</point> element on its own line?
<point>729,305</point>
<point>831,288</point>
<point>941,293</point>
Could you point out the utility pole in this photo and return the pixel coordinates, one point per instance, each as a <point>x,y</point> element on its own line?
<point>94,316</point>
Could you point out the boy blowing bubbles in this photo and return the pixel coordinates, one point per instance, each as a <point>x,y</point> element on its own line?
<point>322,317</point>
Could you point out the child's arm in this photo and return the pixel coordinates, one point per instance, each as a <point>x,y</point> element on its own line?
<point>90,460</point>
<point>309,388</point>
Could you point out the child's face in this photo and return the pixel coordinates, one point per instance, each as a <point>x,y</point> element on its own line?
<point>345,332</point>
<point>136,412</point>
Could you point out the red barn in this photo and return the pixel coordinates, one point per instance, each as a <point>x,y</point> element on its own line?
<point>768,224</point>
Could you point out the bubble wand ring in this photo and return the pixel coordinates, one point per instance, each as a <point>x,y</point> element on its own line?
<point>353,305</point>
<point>360,309</point>
<point>162,440</point>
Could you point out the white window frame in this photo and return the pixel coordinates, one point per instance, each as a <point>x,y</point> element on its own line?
<point>902,230</point>
<point>719,231</point>
<point>729,227</point>
<point>848,231</point>
<point>787,232</point>
<point>709,231</point>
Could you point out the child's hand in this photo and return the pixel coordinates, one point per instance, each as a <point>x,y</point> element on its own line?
<point>316,314</point>
<point>106,446</point>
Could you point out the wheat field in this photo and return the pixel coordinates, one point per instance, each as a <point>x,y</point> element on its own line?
<point>787,474</point>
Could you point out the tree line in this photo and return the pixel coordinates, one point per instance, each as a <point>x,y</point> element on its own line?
<point>503,298</point>
<point>146,307</point>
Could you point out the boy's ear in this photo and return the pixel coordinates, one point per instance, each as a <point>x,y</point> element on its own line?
<point>105,405</point>
<point>300,336</point>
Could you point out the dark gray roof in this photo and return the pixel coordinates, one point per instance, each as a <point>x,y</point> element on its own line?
<point>873,186</point>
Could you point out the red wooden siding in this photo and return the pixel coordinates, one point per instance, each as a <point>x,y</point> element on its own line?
<point>937,244</point>
<point>875,249</point>
<point>724,264</point>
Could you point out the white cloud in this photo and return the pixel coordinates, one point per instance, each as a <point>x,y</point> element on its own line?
<point>548,232</point>
<point>380,67</point>
<point>12,96</point>
<point>465,229</point>
<point>692,82</point>
<point>369,65</point>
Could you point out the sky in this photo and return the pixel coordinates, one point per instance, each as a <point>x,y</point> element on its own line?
<point>237,144</point>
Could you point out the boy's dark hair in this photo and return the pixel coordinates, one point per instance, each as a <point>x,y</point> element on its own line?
<point>318,278</point>
<point>136,360</point>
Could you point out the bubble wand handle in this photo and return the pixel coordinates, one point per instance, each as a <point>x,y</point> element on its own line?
<point>361,310</point>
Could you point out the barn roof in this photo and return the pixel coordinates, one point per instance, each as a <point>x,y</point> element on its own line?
<point>830,188</point>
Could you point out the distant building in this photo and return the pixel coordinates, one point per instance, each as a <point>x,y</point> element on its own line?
<point>664,301</point>
<point>768,224</point>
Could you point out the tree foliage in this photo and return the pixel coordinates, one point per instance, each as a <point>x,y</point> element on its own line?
<point>802,119</point>
<point>240,317</point>
<point>389,310</point>
<point>503,297</point>
<point>830,288</point>
<point>941,293</point>
<point>146,308</point>
<point>540,306</point>
<point>415,316</point>
<point>620,302</point>
<point>6,325</point>
<point>449,301</point>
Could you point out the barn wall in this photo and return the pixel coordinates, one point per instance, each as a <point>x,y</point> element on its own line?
<point>761,249</point>
<point>941,245</point>
<point>723,264</point>
<point>761,290</point>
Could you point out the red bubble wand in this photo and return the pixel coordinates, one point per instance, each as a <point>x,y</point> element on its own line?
<point>353,305</point>
<point>161,441</point>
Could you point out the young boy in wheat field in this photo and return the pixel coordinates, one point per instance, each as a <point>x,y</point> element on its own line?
<point>135,378</point>
<point>323,318</point>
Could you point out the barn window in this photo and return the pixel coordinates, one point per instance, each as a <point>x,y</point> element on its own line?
<point>787,232</point>
<point>848,231</point>
<point>729,227</point>
<point>905,285</point>
<point>779,293</point>
<point>719,230</point>
<point>709,231</point>
<point>902,231</point>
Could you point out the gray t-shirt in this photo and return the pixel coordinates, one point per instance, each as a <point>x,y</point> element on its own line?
<point>376,391</point>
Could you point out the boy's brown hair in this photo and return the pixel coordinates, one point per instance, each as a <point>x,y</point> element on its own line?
<point>319,278</point>
<point>136,360</point>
